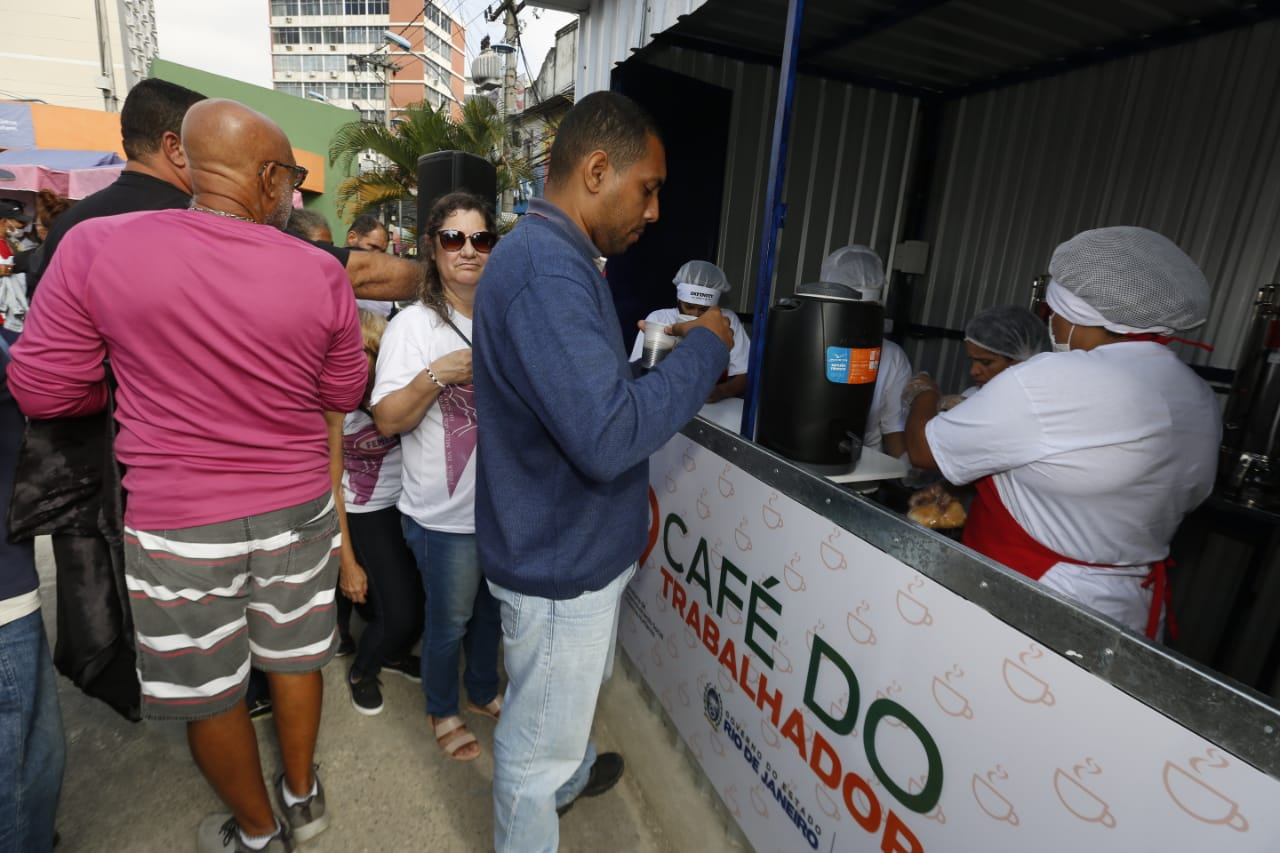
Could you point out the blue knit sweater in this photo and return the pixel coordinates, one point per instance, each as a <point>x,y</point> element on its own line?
<point>566,429</point>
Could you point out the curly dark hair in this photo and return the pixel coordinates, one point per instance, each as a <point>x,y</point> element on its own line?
<point>430,288</point>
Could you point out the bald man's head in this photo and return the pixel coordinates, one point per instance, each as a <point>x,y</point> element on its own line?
<point>240,160</point>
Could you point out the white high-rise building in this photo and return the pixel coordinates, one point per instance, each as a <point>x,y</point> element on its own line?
<point>338,51</point>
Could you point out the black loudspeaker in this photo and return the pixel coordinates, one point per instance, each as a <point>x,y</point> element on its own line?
<point>819,375</point>
<point>447,171</point>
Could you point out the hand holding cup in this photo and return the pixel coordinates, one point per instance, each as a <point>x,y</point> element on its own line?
<point>713,319</point>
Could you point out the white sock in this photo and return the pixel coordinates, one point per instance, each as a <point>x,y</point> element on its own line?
<point>290,799</point>
<point>258,842</point>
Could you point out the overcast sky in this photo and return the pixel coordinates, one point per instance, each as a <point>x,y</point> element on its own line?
<point>232,37</point>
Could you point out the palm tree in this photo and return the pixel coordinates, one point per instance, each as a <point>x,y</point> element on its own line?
<point>421,130</point>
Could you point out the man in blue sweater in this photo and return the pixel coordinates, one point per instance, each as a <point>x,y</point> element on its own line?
<point>565,434</point>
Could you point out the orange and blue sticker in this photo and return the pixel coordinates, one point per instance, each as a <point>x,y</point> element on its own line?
<point>847,366</point>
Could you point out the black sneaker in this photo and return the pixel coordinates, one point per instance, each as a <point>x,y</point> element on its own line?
<point>346,646</point>
<point>604,774</point>
<point>366,695</point>
<point>410,666</point>
<point>260,708</point>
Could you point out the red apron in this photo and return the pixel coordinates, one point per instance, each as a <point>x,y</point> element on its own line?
<point>991,530</point>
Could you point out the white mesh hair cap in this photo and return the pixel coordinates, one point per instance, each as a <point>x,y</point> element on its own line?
<point>703,274</point>
<point>1134,278</point>
<point>857,267</point>
<point>1008,330</point>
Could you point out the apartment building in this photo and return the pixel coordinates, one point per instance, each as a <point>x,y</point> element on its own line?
<point>338,51</point>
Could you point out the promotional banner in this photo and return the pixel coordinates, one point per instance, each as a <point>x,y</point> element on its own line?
<point>838,700</point>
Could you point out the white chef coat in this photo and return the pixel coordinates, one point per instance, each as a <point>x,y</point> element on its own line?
<point>1097,454</point>
<point>739,355</point>
<point>887,414</point>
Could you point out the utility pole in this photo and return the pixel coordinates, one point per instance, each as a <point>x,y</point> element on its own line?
<point>508,9</point>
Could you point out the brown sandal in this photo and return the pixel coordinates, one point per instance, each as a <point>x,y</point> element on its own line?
<point>493,710</point>
<point>455,739</point>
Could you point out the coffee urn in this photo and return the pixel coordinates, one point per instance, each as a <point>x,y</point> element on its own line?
<point>1249,465</point>
<point>818,377</point>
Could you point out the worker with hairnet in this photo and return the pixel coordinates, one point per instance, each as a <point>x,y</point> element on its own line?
<point>1085,462</point>
<point>999,338</point>
<point>860,268</point>
<point>699,285</point>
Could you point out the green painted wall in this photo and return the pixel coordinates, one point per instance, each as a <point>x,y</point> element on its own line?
<point>309,125</point>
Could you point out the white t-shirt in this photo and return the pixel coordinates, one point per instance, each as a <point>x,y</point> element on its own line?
<point>1098,454</point>
<point>439,470</point>
<point>887,413</point>
<point>370,465</point>
<point>738,356</point>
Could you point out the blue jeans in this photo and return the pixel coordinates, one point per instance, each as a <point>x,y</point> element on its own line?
<point>32,749</point>
<point>558,654</point>
<point>461,615</point>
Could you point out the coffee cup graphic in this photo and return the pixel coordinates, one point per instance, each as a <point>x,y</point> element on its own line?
<point>672,648</point>
<point>671,483</point>
<point>690,637</point>
<point>740,536</point>
<point>656,653</point>
<point>771,517</point>
<point>731,800</point>
<point>795,580</point>
<point>781,662</point>
<point>915,786</point>
<point>860,631</point>
<point>950,700</point>
<point>726,681</point>
<point>683,692</point>
<point>826,802</point>
<point>1080,801</point>
<point>1200,800</point>
<point>912,611</point>
<point>992,802</point>
<point>813,632</point>
<point>703,508</point>
<point>725,484</point>
<point>1025,685</point>
<point>757,802</point>
<point>833,558</point>
<point>769,734</point>
<point>717,746</point>
<point>688,460</point>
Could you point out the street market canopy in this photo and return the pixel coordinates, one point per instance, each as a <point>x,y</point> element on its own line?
<point>953,48</point>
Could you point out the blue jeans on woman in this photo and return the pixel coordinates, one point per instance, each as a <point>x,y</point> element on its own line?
<point>32,749</point>
<point>461,614</point>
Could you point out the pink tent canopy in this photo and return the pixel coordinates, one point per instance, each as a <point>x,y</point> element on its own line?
<point>73,183</point>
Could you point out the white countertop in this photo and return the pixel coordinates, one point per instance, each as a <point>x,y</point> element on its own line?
<point>873,465</point>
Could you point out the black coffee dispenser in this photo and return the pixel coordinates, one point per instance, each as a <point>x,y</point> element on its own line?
<point>818,378</point>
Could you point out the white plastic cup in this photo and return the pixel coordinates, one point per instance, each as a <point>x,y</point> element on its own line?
<point>657,344</point>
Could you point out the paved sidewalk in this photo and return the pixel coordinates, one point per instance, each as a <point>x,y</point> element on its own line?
<point>133,787</point>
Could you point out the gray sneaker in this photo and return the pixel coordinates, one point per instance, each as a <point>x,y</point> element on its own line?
<point>308,818</point>
<point>218,833</point>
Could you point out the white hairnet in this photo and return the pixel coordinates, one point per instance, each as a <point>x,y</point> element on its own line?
<point>1008,330</point>
<point>1137,280</point>
<point>703,274</point>
<point>857,267</point>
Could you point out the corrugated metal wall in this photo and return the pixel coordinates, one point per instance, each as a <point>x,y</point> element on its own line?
<point>846,168</point>
<point>611,30</point>
<point>1181,140</point>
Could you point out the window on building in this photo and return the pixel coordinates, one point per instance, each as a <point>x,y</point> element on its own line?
<point>309,7</point>
<point>367,7</point>
<point>437,16</point>
<point>374,116</point>
<point>294,89</point>
<point>284,7</point>
<point>364,35</point>
<point>282,62</point>
<point>310,35</point>
<point>284,35</point>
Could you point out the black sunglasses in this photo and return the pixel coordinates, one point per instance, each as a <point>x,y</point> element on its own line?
<point>452,240</point>
<point>299,172</point>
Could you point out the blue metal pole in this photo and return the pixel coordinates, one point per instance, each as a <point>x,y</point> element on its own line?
<point>775,213</point>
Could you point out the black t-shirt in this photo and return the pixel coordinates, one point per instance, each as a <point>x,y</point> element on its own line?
<point>132,191</point>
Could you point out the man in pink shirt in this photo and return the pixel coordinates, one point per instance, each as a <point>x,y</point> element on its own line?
<point>228,340</point>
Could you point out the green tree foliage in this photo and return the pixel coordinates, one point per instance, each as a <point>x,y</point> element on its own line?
<point>421,130</point>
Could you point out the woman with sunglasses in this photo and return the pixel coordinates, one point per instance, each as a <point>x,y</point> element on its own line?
<point>423,391</point>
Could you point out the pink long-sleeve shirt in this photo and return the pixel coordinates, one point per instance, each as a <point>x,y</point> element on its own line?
<point>228,340</point>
